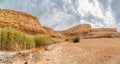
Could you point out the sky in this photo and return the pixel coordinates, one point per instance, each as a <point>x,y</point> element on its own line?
<point>64,14</point>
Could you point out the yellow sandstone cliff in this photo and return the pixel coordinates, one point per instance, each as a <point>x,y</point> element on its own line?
<point>20,20</point>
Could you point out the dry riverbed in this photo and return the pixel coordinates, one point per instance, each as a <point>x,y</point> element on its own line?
<point>87,51</point>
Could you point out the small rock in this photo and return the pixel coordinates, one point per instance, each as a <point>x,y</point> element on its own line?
<point>48,59</point>
<point>25,62</point>
<point>50,47</point>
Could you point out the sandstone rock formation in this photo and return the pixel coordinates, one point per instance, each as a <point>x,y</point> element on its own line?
<point>52,32</point>
<point>102,33</point>
<point>103,30</point>
<point>79,30</point>
<point>85,31</point>
<point>20,20</point>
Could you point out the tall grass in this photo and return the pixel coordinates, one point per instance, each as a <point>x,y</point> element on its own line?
<point>13,39</point>
<point>41,40</point>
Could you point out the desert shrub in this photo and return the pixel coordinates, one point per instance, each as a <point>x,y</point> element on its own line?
<point>13,39</point>
<point>76,39</point>
<point>41,40</point>
<point>67,39</point>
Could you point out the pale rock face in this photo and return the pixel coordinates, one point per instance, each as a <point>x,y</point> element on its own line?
<point>19,20</point>
<point>52,32</point>
<point>79,30</point>
<point>85,31</point>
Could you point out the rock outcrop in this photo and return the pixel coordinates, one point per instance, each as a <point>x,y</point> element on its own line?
<point>85,31</point>
<point>103,30</point>
<point>20,20</point>
<point>79,30</point>
<point>102,33</point>
<point>52,32</point>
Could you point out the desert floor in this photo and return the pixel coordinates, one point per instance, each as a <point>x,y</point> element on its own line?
<point>87,51</point>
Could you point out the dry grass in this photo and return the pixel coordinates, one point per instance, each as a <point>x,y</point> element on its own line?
<point>41,40</point>
<point>13,39</point>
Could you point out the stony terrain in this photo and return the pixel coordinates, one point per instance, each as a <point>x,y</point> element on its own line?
<point>87,51</point>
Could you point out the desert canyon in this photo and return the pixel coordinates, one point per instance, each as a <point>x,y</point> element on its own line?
<point>96,45</point>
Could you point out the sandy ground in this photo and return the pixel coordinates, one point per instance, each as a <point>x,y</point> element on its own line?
<point>87,51</point>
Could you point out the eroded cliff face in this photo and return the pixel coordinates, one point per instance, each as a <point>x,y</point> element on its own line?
<point>52,32</point>
<point>79,30</point>
<point>102,33</point>
<point>20,20</point>
<point>85,31</point>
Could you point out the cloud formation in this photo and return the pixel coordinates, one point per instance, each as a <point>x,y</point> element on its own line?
<point>63,14</point>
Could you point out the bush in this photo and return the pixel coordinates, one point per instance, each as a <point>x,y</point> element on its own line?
<point>13,39</point>
<point>76,39</point>
<point>41,40</point>
<point>67,39</point>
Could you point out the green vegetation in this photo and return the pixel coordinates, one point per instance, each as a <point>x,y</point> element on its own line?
<point>41,40</point>
<point>76,39</point>
<point>68,39</point>
<point>13,39</point>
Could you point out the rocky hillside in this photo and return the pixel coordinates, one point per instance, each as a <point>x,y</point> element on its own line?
<point>85,31</point>
<point>79,30</point>
<point>20,20</point>
<point>52,32</point>
<point>102,33</point>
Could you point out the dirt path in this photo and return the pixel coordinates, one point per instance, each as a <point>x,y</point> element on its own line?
<point>88,51</point>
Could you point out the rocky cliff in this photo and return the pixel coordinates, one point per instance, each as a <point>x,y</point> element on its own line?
<point>85,31</point>
<point>102,33</point>
<point>52,32</point>
<point>20,20</point>
<point>79,30</point>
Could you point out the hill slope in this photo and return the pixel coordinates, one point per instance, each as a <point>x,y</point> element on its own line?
<point>85,31</point>
<point>20,20</point>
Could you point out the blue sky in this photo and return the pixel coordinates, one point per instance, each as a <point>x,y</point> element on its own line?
<point>63,14</point>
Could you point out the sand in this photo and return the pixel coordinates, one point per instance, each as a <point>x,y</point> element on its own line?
<point>87,51</point>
